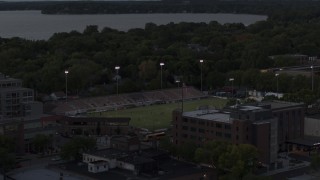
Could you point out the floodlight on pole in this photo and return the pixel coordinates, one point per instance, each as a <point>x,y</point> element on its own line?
<point>66,72</point>
<point>201,61</point>
<point>161,64</point>
<point>231,79</point>
<point>117,78</point>
<point>311,78</point>
<point>277,84</point>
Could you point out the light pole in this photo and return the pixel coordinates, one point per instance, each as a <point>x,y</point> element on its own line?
<point>231,79</point>
<point>311,78</point>
<point>117,78</point>
<point>277,85</point>
<point>161,64</point>
<point>178,82</point>
<point>66,72</point>
<point>201,61</point>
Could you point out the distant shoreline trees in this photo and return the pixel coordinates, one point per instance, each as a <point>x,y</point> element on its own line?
<point>229,50</point>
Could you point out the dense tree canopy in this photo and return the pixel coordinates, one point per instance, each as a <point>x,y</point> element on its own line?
<point>228,50</point>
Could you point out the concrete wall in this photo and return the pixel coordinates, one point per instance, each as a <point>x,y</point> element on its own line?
<point>312,127</point>
<point>124,165</point>
<point>96,168</point>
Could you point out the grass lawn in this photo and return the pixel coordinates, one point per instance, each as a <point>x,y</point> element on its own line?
<point>159,116</point>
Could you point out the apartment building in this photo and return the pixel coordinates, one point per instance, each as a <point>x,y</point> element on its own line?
<point>20,115</point>
<point>266,125</point>
<point>13,98</point>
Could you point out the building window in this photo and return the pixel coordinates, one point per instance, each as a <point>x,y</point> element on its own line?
<point>219,134</point>
<point>193,129</point>
<point>185,127</point>
<point>227,135</point>
<point>185,120</point>
<point>201,130</point>
<point>219,125</point>
<point>227,126</point>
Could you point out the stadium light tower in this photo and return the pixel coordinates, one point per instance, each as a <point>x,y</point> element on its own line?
<point>66,72</point>
<point>178,82</point>
<point>161,64</point>
<point>231,79</point>
<point>277,76</point>
<point>117,77</point>
<point>201,61</point>
<point>311,78</point>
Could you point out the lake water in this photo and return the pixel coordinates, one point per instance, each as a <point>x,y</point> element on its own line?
<point>36,26</point>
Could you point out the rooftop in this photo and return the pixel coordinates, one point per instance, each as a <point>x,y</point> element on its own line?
<point>108,153</point>
<point>99,162</point>
<point>280,104</point>
<point>15,89</point>
<point>136,160</point>
<point>213,115</point>
<point>306,141</point>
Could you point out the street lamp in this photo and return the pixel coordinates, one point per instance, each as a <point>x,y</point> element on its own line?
<point>201,61</point>
<point>231,79</point>
<point>311,78</point>
<point>161,64</point>
<point>277,84</point>
<point>66,72</point>
<point>117,78</point>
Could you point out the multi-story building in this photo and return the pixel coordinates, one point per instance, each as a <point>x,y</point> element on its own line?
<point>20,115</point>
<point>266,125</point>
<point>13,98</point>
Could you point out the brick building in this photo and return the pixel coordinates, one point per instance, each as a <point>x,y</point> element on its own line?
<point>266,125</point>
<point>70,126</point>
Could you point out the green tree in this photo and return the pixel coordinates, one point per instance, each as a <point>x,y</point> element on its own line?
<point>166,144</point>
<point>187,150</point>
<point>41,142</point>
<point>315,162</point>
<point>73,149</point>
<point>7,156</point>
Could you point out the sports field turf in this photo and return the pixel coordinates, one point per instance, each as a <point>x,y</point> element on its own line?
<point>159,116</point>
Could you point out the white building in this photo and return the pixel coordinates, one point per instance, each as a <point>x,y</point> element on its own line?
<point>98,166</point>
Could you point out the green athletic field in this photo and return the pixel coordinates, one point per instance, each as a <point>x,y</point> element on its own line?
<point>159,116</point>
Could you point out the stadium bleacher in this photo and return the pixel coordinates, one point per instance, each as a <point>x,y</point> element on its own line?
<point>107,103</point>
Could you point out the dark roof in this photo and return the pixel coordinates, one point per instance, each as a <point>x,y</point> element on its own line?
<point>99,162</point>
<point>173,168</point>
<point>309,141</point>
<point>314,116</point>
<point>109,153</point>
<point>281,104</point>
<point>136,160</point>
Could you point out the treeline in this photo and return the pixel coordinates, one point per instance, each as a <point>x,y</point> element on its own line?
<point>105,7</point>
<point>165,6</point>
<point>229,50</point>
